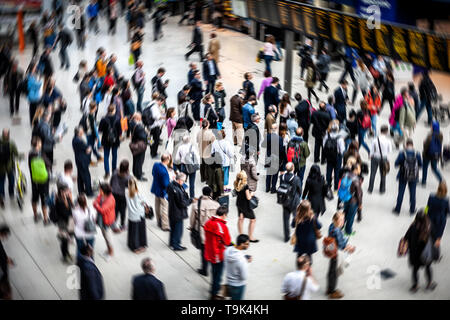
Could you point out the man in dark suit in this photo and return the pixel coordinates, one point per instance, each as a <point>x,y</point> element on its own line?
<point>252,138</point>
<point>196,94</point>
<point>276,158</point>
<point>340,101</point>
<point>147,286</point>
<point>197,41</point>
<point>320,121</point>
<point>210,73</point>
<point>192,70</point>
<point>271,95</point>
<point>158,85</point>
<point>303,114</point>
<point>82,160</point>
<point>91,280</point>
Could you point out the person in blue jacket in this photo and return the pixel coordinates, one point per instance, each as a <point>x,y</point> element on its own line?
<point>247,110</point>
<point>407,175</point>
<point>438,210</point>
<point>34,95</point>
<point>92,12</point>
<point>160,183</point>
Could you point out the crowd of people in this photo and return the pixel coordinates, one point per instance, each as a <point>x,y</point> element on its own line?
<point>113,112</point>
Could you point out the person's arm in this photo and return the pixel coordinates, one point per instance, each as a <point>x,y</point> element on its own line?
<point>162,293</point>
<point>400,159</point>
<point>419,159</point>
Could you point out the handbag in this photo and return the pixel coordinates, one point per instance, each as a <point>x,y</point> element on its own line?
<point>196,239</point>
<point>124,124</point>
<point>137,147</point>
<point>224,200</point>
<point>192,167</point>
<point>131,59</point>
<point>253,202</point>
<point>385,165</point>
<point>89,224</point>
<point>149,214</point>
<point>293,240</point>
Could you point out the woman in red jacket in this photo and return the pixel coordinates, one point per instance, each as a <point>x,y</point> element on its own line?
<point>106,206</point>
<point>373,100</point>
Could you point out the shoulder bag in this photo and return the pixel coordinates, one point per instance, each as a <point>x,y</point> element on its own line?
<point>254,202</point>
<point>302,290</point>
<point>89,224</point>
<point>385,165</point>
<point>195,233</point>
<point>193,165</point>
<point>138,146</point>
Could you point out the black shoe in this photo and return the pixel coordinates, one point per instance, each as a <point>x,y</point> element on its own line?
<point>2,204</point>
<point>286,239</point>
<point>394,211</point>
<point>273,191</point>
<point>186,57</point>
<point>202,272</point>
<point>369,191</point>
<point>254,241</point>
<point>180,248</point>
<point>412,212</point>
<point>143,179</point>
<point>359,218</point>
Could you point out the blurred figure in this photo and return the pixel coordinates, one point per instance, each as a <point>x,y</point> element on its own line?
<point>432,152</point>
<point>91,280</point>
<point>147,286</point>
<point>5,262</point>
<point>299,284</point>
<point>236,266</point>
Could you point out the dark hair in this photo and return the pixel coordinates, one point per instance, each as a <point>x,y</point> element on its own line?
<point>403,91</point>
<point>207,191</point>
<point>422,225</point>
<point>186,87</point>
<point>330,99</point>
<point>4,230</point>
<point>314,172</point>
<point>222,210</point>
<point>242,238</point>
<point>343,81</point>
<point>275,80</point>
<point>161,70</point>
<point>82,202</point>
<point>411,85</point>
<point>124,165</point>
<point>267,74</point>
<point>246,75</point>
<point>384,129</point>
<point>68,165</point>
<point>205,123</point>
<point>106,188</point>
<point>292,115</point>
<point>409,142</point>
<point>298,96</point>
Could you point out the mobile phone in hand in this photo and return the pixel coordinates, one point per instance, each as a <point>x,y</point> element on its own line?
<point>247,256</point>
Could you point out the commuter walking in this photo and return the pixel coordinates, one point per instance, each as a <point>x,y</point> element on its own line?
<point>119,182</point>
<point>323,67</point>
<point>300,284</point>
<point>315,190</point>
<point>290,191</point>
<point>236,266</point>
<point>197,41</point>
<point>380,148</point>
<point>432,152</point>
<point>8,157</point>
<point>105,206</point>
<point>146,286</point>
<point>270,50</point>
<point>244,195</point>
<point>428,94</point>
<point>307,230</point>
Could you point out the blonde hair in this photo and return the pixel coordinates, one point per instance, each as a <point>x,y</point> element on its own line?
<point>351,161</point>
<point>337,215</point>
<point>218,85</point>
<point>304,212</point>
<point>132,188</point>
<point>38,114</point>
<point>442,190</point>
<point>241,180</point>
<point>332,123</point>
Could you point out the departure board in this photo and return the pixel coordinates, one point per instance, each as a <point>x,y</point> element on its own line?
<point>322,24</point>
<point>297,20</point>
<point>399,44</point>
<point>383,40</point>
<point>309,23</point>
<point>351,30</point>
<point>262,10</point>
<point>367,35</point>
<point>336,27</point>
<point>417,48</point>
<point>251,9</point>
<point>284,11</point>
<point>437,52</point>
<point>271,11</point>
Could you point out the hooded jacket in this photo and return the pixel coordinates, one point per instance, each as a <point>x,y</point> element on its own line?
<point>107,208</point>
<point>217,237</point>
<point>236,266</point>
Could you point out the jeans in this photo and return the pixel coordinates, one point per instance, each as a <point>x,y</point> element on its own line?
<point>271,182</point>
<point>192,185</point>
<point>423,104</point>
<point>84,180</point>
<point>64,58</point>
<point>361,135</point>
<point>176,232</point>
<point>236,293</point>
<point>140,97</point>
<point>286,217</point>
<point>106,158</point>
<point>211,83</point>
<point>10,184</point>
<point>226,175</point>
<point>373,118</point>
<point>268,61</point>
<point>434,167</point>
<point>412,195</point>
<point>301,174</point>
<point>155,132</point>
<point>336,167</point>
<point>217,270</point>
<point>138,162</point>
<point>332,276</point>
<point>83,242</point>
<point>350,209</point>
<point>91,142</point>
<point>374,164</point>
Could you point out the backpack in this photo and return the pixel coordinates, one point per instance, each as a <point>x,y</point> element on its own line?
<point>344,192</point>
<point>435,147</point>
<point>39,172</point>
<point>111,134</point>
<point>330,149</point>
<point>5,152</point>
<point>218,156</point>
<point>366,122</point>
<point>294,153</point>
<point>410,168</point>
<point>285,191</point>
<point>147,116</point>
<point>330,248</point>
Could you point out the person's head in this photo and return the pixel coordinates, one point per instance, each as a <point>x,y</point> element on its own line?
<point>198,23</point>
<point>343,83</point>
<point>180,178</point>
<point>222,212</point>
<point>241,93</point>
<point>147,266</point>
<point>218,86</point>
<point>442,190</point>
<point>330,99</point>
<point>275,81</point>
<point>242,242</point>
<point>304,211</point>
<point>170,113</point>
<point>105,189</point>
<point>409,144</point>
<point>333,126</point>
<point>82,201</point>
<point>112,109</point>
<point>290,167</point>
<point>299,131</point>
<point>132,188</point>
<point>272,109</point>
<point>274,128</point>
<point>322,105</point>
<point>139,63</point>
<point>159,100</point>
<point>197,75</point>
<point>298,97</point>
<point>292,115</point>
<point>252,100</point>
<point>4,231</point>
<point>255,118</point>
<point>241,180</point>
<point>267,74</point>
<point>207,191</point>
<point>193,65</point>
<point>303,262</point>
<point>36,143</point>
<point>124,167</point>
<point>209,56</point>
<point>5,134</point>
<point>205,124</point>
<point>248,76</point>
<point>404,92</point>
<point>68,167</point>
<point>338,219</point>
<point>314,172</point>
<point>186,88</point>
<point>161,72</point>
<point>165,158</point>
<point>62,189</point>
<point>384,129</point>
<point>363,105</point>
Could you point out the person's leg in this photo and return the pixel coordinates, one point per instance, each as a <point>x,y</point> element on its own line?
<point>241,223</point>
<point>329,173</point>
<point>268,179</point>
<point>361,136</point>
<point>352,208</point>
<point>164,214</point>
<point>301,174</point>
<point>87,181</point>
<point>429,274</point>
<point>192,185</point>
<point>11,185</point>
<point>412,196</point>
<point>286,216</point>
<point>435,170</point>
<point>172,234</point>
<point>429,112</point>
<point>317,145</point>
<point>11,102</point>
<point>401,193</point>
<point>337,170</point>
<point>373,118</point>
<point>141,159</point>
<point>415,275</point>
<point>106,152</point>
<point>382,179</point>
<point>373,171</point>
<point>251,229</point>
<point>2,187</point>
<point>204,267</point>
<point>216,277</point>
<point>274,183</point>
<point>332,276</point>
<point>114,158</point>
<point>425,165</point>
<point>343,75</point>
<point>422,104</point>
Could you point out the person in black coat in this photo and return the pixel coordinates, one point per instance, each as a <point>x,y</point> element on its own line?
<point>271,95</point>
<point>303,115</point>
<point>210,73</point>
<point>158,84</point>
<point>196,94</point>
<point>91,280</point>
<point>276,158</point>
<point>111,131</point>
<point>197,41</point>
<point>417,237</point>
<point>320,121</point>
<point>46,66</point>
<point>179,201</point>
<point>289,208</point>
<point>147,286</point>
<point>12,81</point>
<point>248,86</point>
<point>438,210</point>
<point>82,153</point>
<point>5,261</point>
<point>138,134</point>
<point>305,224</point>
<point>252,138</point>
<point>315,190</point>
<point>340,101</point>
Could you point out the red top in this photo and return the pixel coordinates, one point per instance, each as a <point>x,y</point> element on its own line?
<point>217,237</point>
<point>107,208</point>
<point>374,105</point>
<point>109,81</point>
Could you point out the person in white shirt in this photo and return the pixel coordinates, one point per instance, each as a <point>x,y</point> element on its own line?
<point>187,154</point>
<point>137,235</point>
<point>236,267</point>
<point>66,177</point>
<point>269,51</point>
<point>225,149</point>
<point>155,128</point>
<point>81,214</point>
<point>379,150</point>
<point>298,285</point>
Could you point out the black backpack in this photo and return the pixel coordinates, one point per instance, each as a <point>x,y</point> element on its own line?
<point>5,152</point>
<point>111,133</point>
<point>147,116</point>
<point>330,149</point>
<point>285,192</point>
<point>410,168</point>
